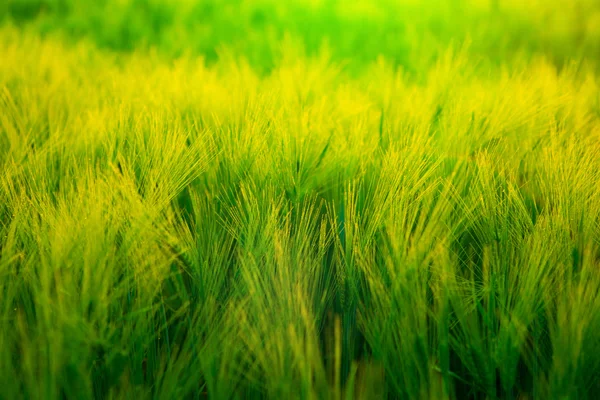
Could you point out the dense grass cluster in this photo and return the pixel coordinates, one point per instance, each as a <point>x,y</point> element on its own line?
<point>299,200</point>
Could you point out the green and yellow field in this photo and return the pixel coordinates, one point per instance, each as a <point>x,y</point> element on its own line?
<point>299,199</point>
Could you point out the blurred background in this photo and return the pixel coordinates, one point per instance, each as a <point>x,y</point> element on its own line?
<point>408,33</point>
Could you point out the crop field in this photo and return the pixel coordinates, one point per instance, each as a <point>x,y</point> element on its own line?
<point>299,199</point>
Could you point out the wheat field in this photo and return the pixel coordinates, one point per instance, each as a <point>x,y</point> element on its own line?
<point>300,199</point>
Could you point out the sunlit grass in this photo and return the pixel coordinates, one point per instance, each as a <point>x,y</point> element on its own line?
<point>285,218</point>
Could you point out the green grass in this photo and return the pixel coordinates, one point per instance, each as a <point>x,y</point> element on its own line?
<point>299,200</point>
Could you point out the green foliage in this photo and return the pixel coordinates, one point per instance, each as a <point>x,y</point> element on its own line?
<point>304,200</point>
<point>356,31</point>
